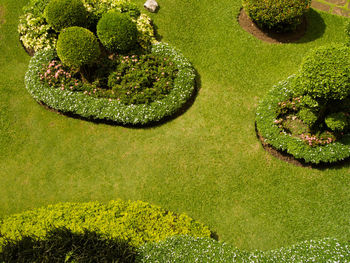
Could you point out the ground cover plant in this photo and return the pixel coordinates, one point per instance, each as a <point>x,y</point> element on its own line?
<point>207,163</point>
<point>154,83</point>
<point>308,115</point>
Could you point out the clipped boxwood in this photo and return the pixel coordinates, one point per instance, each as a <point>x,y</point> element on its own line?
<point>266,115</point>
<point>77,46</point>
<point>117,32</point>
<point>135,222</point>
<point>65,13</point>
<point>184,249</point>
<point>36,34</point>
<point>277,15</point>
<point>325,73</point>
<point>113,110</point>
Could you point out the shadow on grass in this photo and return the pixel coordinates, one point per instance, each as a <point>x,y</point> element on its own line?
<point>315,27</point>
<point>182,110</point>
<point>62,245</point>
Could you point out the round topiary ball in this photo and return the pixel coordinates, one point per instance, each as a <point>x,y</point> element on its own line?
<point>277,15</point>
<point>325,73</point>
<point>336,121</point>
<point>117,32</point>
<point>77,46</point>
<point>65,13</point>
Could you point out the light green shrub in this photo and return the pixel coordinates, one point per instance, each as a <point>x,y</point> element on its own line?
<point>136,222</point>
<point>336,121</point>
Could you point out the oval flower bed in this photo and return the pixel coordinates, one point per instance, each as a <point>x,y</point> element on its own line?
<point>100,61</point>
<point>86,106</point>
<point>268,128</point>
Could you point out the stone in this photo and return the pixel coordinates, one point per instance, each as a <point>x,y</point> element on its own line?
<point>151,5</point>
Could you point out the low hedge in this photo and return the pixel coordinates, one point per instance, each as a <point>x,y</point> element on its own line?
<point>184,249</point>
<point>113,110</point>
<point>266,116</point>
<point>135,222</point>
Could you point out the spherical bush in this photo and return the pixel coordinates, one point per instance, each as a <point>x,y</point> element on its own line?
<point>117,32</point>
<point>65,13</point>
<point>336,121</point>
<point>277,15</point>
<point>325,73</point>
<point>77,46</point>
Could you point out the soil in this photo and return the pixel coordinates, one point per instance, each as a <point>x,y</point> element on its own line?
<point>284,156</point>
<point>269,36</point>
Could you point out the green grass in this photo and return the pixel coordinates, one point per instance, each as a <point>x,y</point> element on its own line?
<point>207,162</point>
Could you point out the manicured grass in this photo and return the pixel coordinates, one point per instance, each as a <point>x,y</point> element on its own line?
<point>207,162</point>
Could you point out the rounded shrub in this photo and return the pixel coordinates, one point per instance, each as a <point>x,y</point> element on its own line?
<point>117,32</point>
<point>277,15</point>
<point>135,222</point>
<point>77,46</point>
<point>325,73</point>
<point>308,116</point>
<point>65,13</point>
<point>336,121</point>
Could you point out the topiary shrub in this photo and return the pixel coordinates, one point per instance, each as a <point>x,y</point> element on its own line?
<point>65,13</point>
<point>134,222</point>
<point>117,32</point>
<point>77,46</point>
<point>336,121</point>
<point>325,73</point>
<point>308,116</point>
<point>63,245</point>
<point>277,15</point>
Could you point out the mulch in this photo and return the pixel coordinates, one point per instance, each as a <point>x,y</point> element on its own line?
<point>269,36</point>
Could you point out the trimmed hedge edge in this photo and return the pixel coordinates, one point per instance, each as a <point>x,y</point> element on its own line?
<point>101,108</point>
<point>265,117</point>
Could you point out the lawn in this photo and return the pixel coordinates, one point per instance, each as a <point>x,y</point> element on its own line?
<point>207,162</point>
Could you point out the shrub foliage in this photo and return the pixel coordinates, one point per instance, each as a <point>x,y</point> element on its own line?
<point>65,13</point>
<point>77,46</point>
<point>134,222</point>
<point>63,245</point>
<point>117,32</point>
<point>277,15</point>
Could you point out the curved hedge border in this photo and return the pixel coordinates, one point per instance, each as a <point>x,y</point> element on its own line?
<point>184,249</point>
<point>135,222</point>
<point>103,109</point>
<point>265,117</point>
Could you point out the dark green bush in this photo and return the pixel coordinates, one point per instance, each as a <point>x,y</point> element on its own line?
<point>135,222</point>
<point>65,13</point>
<point>77,46</point>
<point>117,32</point>
<point>142,79</point>
<point>63,245</point>
<point>325,73</point>
<point>308,116</point>
<point>336,121</point>
<point>277,15</point>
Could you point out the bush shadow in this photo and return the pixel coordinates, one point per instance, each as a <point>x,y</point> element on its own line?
<point>315,27</point>
<point>62,245</point>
